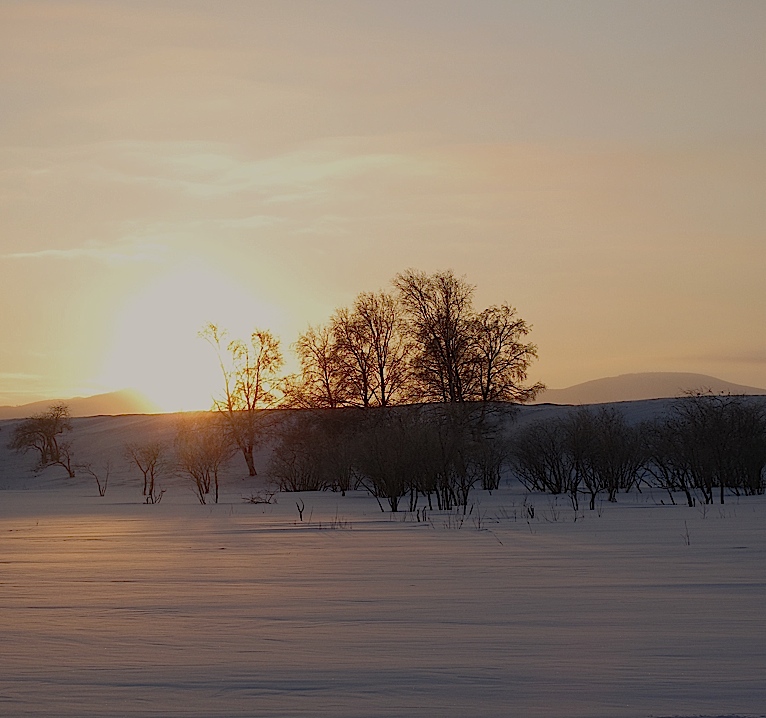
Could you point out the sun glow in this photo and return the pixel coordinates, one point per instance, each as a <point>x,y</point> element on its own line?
<point>156,348</point>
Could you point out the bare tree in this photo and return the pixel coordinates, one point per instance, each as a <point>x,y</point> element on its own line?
<point>459,355</point>
<point>360,358</point>
<point>666,459</point>
<point>380,316</point>
<point>388,454</point>
<point>203,446</point>
<point>501,359</point>
<point>323,379</point>
<point>354,350</point>
<point>151,460</point>
<point>65,458</point>
<point>314,450</point>
<point>101,476</point>
<point>41,433</point>
<point>542,459</point>
<point>249,371</point>
<point>438,308</point>
<point>722,442</point>
<point>605,451</point>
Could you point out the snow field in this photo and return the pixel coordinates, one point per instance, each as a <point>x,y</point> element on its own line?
<point>116,608</point>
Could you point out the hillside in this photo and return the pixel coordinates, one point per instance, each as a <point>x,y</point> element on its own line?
<point>636,387</point>
<point>126,401</point>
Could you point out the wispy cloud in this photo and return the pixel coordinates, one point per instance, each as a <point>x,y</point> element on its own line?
<point>18,376</point>
<point>214,169</point>
<point>752,356</point>
<point>111,254</point>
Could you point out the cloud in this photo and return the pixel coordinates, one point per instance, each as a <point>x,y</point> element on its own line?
<point>257,221</point>
<point>748,356</point>
<point>202,170</point>
<point>18,376</point>
<point>116,254</point>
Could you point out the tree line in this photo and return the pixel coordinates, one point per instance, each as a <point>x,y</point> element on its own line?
<point>703,444</point>
<point>439,453</point>
<point>435,455</point>
<point>421,342</point>
<point>201,448</point>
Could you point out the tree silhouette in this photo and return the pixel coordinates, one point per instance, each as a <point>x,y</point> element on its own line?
<point>250,377</point>
<point>500,358</point>
<point>203,446</point>
<point>41,433</point>
<point>438,308</point>
<point>459,355</point>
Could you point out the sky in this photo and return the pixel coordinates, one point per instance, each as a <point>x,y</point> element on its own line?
<point>601,166</point>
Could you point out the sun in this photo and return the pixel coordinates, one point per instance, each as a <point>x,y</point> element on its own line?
<point>156,348</point>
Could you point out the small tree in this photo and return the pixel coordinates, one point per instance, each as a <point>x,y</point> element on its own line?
<point>294,463</point>
<point>723,442</point>
<point>203,446</point>
<point>249,371</point>
<point>41,433</point>
<point>387,455</point>
<point>666,459</point>
<point>542,459</point>
<point>150,458</point>
<point>101,476</point>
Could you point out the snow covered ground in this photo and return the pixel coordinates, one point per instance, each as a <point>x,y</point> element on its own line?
<point>113,607</point>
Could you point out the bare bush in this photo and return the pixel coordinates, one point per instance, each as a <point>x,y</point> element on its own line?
<point>151,459</point>
<point>606,451</point>
<point>293,465</point>
<point>203,446</point>
<point>315,451</point>
<point>388,454</point>
<point>438,451</point>
<point>542,459</point>
<point>710,441</point>
<point>589,451</point>
<point>666,461</point>
<point>100,475</point>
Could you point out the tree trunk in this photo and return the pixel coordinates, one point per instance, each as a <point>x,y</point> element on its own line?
<point>247,452</point>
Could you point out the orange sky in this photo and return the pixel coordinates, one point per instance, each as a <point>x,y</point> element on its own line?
<point>601,166</point>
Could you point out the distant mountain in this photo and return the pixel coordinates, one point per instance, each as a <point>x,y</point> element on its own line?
<point>126,401</point>
<point>633,387</point>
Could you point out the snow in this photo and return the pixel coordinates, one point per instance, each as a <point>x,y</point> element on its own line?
<point>114,607</point>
